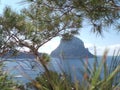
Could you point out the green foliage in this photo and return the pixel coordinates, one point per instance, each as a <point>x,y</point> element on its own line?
<point>11,20</point>
<point>92,79</point>
<point>45,57</point>
<point>99,13</point>
<point>51,81</point>
<point>67,36</point>
<point>43,20</point>
<point>38,23</point>
<point>110,74</point>
<point>6,83</point>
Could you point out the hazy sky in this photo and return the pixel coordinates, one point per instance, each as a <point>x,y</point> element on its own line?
<point>110,38</point>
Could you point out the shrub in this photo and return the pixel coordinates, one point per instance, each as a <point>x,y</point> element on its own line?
<point>92,79</point>
<point>6,82</point>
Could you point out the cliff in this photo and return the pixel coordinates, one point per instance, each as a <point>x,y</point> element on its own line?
<point>73,48</point>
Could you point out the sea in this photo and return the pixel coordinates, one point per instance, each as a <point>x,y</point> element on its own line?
<point>25,70</point>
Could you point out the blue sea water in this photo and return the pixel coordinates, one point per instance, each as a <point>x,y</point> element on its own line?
<point>24,70</point>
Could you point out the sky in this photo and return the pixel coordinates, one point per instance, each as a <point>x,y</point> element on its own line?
<point>110,39</point>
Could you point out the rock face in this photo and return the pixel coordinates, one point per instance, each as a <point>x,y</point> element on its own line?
<point>73,48</point>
